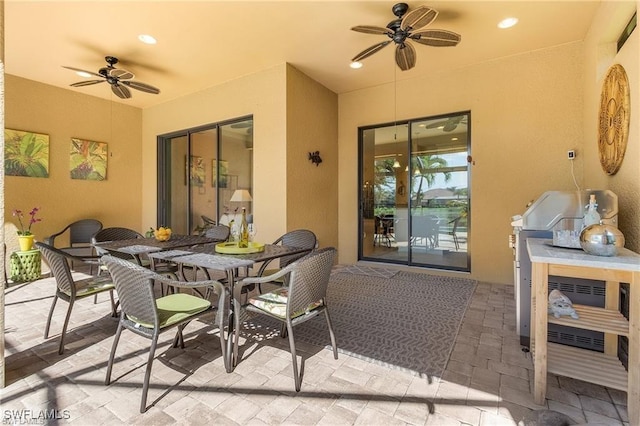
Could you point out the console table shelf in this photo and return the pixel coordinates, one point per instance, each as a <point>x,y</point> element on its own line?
<point>604,369</point>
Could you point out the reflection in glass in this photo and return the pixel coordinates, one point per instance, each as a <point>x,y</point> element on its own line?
<point>414,192</point>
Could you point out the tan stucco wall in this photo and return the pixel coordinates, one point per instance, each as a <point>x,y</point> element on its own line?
<point>64,114</point>
<point>312,125</point>
<point>600,54</point>
<point>264,96</point>
<point>526,112</point>
<point>292,115</point>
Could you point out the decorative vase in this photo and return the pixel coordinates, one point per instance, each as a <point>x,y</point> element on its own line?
<point>26,242</point>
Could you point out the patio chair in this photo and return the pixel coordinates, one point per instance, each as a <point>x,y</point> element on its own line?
<point>302,300</point>
<point>114,234</point>
<point>147,316</point>
<point>453,231</point>
<point>69,289</point>
<point>80,233</point>
<point>302,238</point>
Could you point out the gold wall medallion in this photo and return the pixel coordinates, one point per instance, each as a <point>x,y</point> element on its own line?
<point>613,130</point>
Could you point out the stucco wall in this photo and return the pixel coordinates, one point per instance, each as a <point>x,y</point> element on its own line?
<point>526,112</point>
<point>312,125</point>
<point>264,96</point>
<point>600,54</point>
<point>65,114</point>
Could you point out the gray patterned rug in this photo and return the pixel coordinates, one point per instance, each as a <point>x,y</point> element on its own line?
<point>408,321</point>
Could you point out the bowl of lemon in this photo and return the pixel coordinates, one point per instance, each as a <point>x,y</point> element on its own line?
<point>162,234</point>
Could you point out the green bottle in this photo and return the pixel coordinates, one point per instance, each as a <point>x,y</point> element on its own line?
<point>244,231</point>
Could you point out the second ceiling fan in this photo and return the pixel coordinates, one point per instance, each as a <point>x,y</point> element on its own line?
<point>406,28</point>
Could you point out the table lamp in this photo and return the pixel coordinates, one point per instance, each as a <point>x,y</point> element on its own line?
<point>241,195</point>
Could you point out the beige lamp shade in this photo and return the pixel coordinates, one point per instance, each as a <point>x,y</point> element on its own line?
<point>241,195</point>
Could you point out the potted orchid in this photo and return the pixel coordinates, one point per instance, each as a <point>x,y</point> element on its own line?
<point>25,237</point>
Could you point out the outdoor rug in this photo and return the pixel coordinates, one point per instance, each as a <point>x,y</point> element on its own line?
<point>408,321</point>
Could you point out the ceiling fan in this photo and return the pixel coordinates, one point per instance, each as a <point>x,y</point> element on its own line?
<point>119,79</point>
<point>450,124</point>
<point>407,27</point>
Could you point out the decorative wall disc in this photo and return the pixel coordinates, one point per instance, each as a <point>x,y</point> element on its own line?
<point>613,129</point>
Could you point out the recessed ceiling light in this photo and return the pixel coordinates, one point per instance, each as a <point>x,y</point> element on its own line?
<point>454,139</point>
<point>356,65</point>
<point>147,39</point>
<point>83,74</point>
<point>507,23</point>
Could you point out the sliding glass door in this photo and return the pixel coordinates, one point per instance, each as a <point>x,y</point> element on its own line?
<point>414,193</point>
<point>198,172</point>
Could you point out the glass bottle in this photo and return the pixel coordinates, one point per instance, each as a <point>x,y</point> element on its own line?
<point>591,216</point>
<point>244,231</point>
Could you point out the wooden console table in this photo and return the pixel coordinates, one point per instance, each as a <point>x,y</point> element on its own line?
<point>601,368</point>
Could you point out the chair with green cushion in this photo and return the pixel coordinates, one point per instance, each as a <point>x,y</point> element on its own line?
<point>69,289</point>
<point>303,299</point>
<point>147,316</point>
<point>302,238</point>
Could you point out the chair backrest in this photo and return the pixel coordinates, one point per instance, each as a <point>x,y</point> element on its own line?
<point>309,279</point>
<point>81,231</point>
<point>208,221</point>
<point>455,222</point>
<point>58,262</point>
<point>218,232</point>
<point>134,285</point>
<point>302,238</point>
<point>114,234</point>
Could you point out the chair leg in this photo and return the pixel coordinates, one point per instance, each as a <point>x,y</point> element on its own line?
<point>292,347</point>
<point>334,345</point>
<point>46,328</point>
<point>112,355</point>
<point>455,241</point>
<point>64,327</point>
<point>147,374</point>
<point>114,306</point>
<point>236,333</point>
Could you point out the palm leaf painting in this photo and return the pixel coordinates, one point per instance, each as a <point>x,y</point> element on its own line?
<point>88,160</point>
<point>26,154</point>
<point>197,172</point>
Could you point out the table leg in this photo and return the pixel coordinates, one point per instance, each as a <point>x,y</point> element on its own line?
<point>539,290</point>
<point>231,355</point>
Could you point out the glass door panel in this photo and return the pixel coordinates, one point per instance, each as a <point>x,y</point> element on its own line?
<point>414,192</point>
<point>204,146</point>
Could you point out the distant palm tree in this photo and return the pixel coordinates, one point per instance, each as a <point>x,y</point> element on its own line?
<point>427,166</point>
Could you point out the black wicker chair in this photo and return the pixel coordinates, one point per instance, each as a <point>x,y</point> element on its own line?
<point>69,289</point>
<point>302,300</point>
<point>143,314</point>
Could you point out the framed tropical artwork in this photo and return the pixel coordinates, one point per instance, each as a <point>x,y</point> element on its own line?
<point>196,171</point>
<point>26,154</point>
<point>223,175</point>
<point>88,160</point>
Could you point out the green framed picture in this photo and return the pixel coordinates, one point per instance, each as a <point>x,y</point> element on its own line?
<point>88,160</point>
<point>26,154</point>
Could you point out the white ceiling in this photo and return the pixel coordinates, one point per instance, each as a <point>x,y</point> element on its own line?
<point>205,43</point>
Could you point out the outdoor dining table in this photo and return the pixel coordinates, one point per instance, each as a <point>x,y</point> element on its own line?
<point>206,257</point>
<point>138,246</point>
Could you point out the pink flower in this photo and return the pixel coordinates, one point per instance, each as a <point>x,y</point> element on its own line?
<point>32,220</point>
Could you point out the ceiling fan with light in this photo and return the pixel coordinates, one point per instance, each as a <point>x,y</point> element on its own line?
<point>119,79</point>
<point>406,28</point>
<point>450,124</point>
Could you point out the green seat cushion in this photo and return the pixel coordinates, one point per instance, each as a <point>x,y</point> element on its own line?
<point>94,285</point>
<point>175,308</point>
<point>275,302</point>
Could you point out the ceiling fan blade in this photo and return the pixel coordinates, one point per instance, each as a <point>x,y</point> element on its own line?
<point>437,38</point>
<point>450,126</point>
<point>371,29</point>
<point>370,51</point>
<point>121,74</point>
<point>87,83</point>
<point>141,86</point>
<point>418,18</point>
<point>405,56</point>
<point>436,124</point>
<point>84,71</point>
<point>121,91</point>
